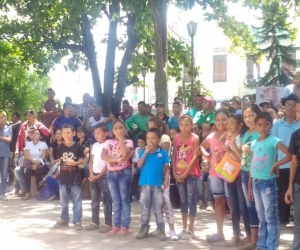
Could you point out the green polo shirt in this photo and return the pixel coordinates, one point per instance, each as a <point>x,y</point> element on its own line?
<point>192,112</point>
<point>201,118</point>
<point>138,121</point>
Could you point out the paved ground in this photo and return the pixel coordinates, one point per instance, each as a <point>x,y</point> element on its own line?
<point>29,225</point>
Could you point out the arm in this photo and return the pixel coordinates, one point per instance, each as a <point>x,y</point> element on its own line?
<point>6,139</point>
<point>289,196</point>
<point>45,131</point>
<point>173,158</point>
<point>125,151</point>
<point>86,151</point>
<point>204,145</point>
<point>141,161</point>
<point>106,157</point>
<point>250,191</point>
<point>167,176</point>
<point>91,165</point>
<point>87,126</point>
<point>285,160</point>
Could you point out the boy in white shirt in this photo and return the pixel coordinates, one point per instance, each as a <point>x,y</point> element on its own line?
<point>98,179</point>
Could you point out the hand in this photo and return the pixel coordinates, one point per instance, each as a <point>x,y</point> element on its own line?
<point>119,133</point>
<point>148,148</point>
<point>288,198</point>
<point>92,178</point>
<point>246,148</point>
<point>54,176</point>
<point>230,138</point>
<point>224,135</point>
<point>250,194</point>
<point>34,167</point>
<point>16,154</point>
<point>70,163</point>
<point>133,171</point>
<point>182,177</point>
<point>274,170</point>
<point>122,159</point>
<point>166,184</point>
<point>36,163</point>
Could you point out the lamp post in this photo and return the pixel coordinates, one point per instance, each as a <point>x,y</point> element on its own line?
<point>144,72</point>
<point>192,29</point>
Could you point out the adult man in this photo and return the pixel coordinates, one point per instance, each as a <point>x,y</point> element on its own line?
<point>293,88</point>
<point>125,114</point>
<point>160,112</point>
<point>65,118</point>
<point>207,115</point>
<point>50,109</point>
<point>174,120</point>
<point>5,139</point>
<point>198,106</point>
<point>85,109</point>
<point>139,122</point>
<point>283,129</point>
<point>180,100</point>
<point>265,105</point>
<point>94,120</point>
<point>148,108</point>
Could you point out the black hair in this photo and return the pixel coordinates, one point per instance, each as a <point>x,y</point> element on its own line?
<point>82,128</point>
<point>125,102</point>
<point>102,126</point>
<point>67,104</point>
<point>142,103</point>
<point>50,89</point>
<point>98,106</point>
<point>238,118</point>
<point>256,110</point>
<point>160,124</point>
<point>17,114</point>
<point>177,129</point>
<point>69,126</point>
<point>156,131</point>
<point>142,135</point>
<point>177,103</point>
<point>264,115</point>
<point>178,98</point>
<point>222,111</point>
<point>185,116</point>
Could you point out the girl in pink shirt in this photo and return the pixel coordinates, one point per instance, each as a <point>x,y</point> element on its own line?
<point>119,177</point>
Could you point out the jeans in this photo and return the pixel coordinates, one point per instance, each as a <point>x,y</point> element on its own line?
<point>296,201</point>
<point>152,196</point>
<point>252,213</point>
<point>238,205</point>
<point>218,187</point>
<point>167,205</point>
<point>4,161</point>
<point>266,202</point>
<point>64,192</point>
<point>97,188</point>
<point>187,193</point>
<point>119,183</point>
<point>201,187</point>
<point>20,178</point>
<point>283,185</point>
<point>39,172</point>
<point>53,186</point>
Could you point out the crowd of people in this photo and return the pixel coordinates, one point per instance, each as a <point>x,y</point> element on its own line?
<point>248,154</point>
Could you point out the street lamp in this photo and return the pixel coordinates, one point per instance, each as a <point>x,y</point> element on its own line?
<point>144,72</point>
<point>192,29</point>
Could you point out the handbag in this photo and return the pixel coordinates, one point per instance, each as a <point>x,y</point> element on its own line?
<point>228,169</point>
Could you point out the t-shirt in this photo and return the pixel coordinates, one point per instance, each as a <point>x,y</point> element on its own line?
<point>60,121</point>
<point>98,163</point>
<point>152,172</point>
<point>137,124</point>
<point>50,105</point>
<point>264,154</point>
<point>217,149</point>
<point>54,146</point>
<point>173,122</point>
<point>114,150</point>
<point>294,149</point>
<point>247,157</point>
<point>69,175</point>
<point>94,122</point>
<point>36,151</point>
<point>164,118</point>
<point>85,144</point>
<point>165,139</point>
<point>135,158</point>
<point>6,131</point>
<point>201,118</point>
<point>192,112</point>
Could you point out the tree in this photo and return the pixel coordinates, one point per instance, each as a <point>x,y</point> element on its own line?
<point>20,89</point>
<point>274,40</point>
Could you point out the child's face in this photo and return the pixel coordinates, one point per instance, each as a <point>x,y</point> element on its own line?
<point>173,133</point>
<point>58,135</point>
<point>298,111</point>
<point>152,139</point>
<point>68,134</point>
<point>186,126</point>
<point>233,126</point>
<point>206,130</point>
<point>263,127</point>
<point>176,109</point>
<point>119,128</point>
<point>153,125</point>
<point>196,129</point>
<point>271,94</point>
<point>213,128</point>
<point>80,134</point>
<point>235,105</point>
<point>249,118</point>
<point>100,135</point>
<point>141,143</point>
<point>221,122</point>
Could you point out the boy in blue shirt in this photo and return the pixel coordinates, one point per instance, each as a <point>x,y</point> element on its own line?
<point>174,120</point>
<point>154,163</point>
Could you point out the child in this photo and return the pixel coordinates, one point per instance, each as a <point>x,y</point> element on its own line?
<point>186,172</point>
<point>98,179</point>
<point>165,143</point>
<point>119,176</point>
<point>85,143</point>
<point>71,155</point>
<point>264,182</point>
<point>174,132</point>
<point>154,163</point>
<point>141,142</point>
<point>173,121</point>
<point>216,147</point>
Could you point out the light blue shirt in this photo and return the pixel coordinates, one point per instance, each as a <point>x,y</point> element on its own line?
<point>289,89</point>
<point>152,172</point>
<point>4,146</point>
<point>247,157</point>
<point>264,154</point>
<point>173,122</point>
<point>283,131</point>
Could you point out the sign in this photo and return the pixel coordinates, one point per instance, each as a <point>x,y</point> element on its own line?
<point>273,94</point>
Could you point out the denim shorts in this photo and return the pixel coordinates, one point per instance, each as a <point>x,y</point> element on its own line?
<point>218,187</point>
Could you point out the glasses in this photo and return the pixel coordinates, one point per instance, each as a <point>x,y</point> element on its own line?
<point>245,100</point>
<point>290,105</point>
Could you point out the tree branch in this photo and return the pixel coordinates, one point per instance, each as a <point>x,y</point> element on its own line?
<point>104,9</point>
<point>58,46</point>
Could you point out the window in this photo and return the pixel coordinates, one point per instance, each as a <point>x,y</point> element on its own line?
<point>250,69</point>
<point>288,67</point>
<point>220,68</point>
<point>134,90</point>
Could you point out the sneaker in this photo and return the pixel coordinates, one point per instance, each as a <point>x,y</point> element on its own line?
<point>173,235</point>
<point>162,234</point>
<point>154,233</point>
<point>201,205</point>
<point>142,234</point>
<point>61,223</point>
<point>123,232</point>
<point>78,225</point>
<point>3,198</point>
<point>210,206</point>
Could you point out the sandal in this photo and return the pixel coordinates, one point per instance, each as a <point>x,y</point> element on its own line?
<point>104,229</point>
<point>247,246</point>
<point>26,197</point>
<point>234,242</point>
<point>114,231</point>
<point>188,236</point>
<point>123,232</point>
<point>214,238</point>
<point>183,232</point>
<point>91,227</point>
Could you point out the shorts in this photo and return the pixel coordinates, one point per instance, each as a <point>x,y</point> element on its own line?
<point>218,187</point>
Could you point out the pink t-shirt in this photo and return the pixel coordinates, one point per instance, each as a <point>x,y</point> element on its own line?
<point>114,150</point>
<point>217,149</point>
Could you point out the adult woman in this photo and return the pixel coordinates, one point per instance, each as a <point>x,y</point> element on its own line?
<point>34,155</point>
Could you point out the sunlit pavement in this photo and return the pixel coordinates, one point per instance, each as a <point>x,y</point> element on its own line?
<point>29,225</point>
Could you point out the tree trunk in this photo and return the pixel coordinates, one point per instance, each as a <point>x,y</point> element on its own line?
<point>132,42</point>
<point>90,53</point>
<point>109,71</point>
<point>160,79</point>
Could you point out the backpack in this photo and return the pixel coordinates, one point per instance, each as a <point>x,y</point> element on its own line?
<point>44,194</point>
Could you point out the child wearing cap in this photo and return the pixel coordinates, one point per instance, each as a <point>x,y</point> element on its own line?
<point>207,115</point>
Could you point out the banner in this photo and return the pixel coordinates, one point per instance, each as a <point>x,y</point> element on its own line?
<point>273,94</point>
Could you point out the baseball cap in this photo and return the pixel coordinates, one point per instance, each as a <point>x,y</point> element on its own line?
<point>268,102</point>
<point>226,103</point>
<point>30,112</point>
<point>178,98</point>
<point>3,113</point>
<point>291,97</point>
<point>159,104</point>
<point>209,99</point>
<point>236,98</point>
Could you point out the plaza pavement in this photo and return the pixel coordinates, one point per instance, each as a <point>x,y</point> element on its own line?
<point>29,225</point>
